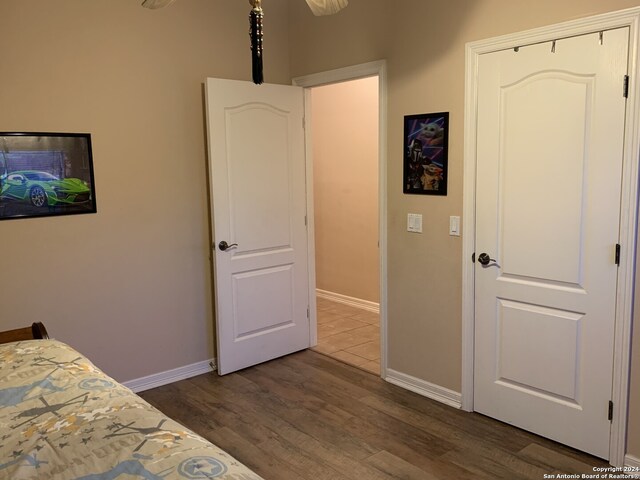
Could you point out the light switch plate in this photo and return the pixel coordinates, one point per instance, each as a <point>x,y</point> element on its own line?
<point>414,222</point>
<point>454,226</point>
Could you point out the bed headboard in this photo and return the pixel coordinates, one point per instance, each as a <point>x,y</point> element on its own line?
<point>35,332</point>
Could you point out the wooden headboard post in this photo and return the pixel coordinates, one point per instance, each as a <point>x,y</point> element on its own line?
<point>35,332</point>
<point>38,331</point>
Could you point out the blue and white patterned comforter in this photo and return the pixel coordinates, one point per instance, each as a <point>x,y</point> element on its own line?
<point>62,418</point>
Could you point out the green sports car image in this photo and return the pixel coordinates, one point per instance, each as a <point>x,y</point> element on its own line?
<point>43,189</point>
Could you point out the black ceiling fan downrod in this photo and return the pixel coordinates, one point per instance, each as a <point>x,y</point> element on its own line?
<point>255,19</point>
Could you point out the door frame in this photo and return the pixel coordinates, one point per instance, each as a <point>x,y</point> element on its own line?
<point>355,72</point>
<point>629,201</point>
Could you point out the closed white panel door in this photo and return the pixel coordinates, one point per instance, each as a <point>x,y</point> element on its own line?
<point>257,168</point>
<point>549,153</point>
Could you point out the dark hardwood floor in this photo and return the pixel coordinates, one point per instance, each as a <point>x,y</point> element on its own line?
<point>309,417</point>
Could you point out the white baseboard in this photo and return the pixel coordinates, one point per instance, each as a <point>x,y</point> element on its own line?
<point>632,466</point>
<point>170,376</point>
<point>424,388</point>
<point>351,301</point>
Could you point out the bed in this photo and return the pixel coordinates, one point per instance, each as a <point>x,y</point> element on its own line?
<point>62,418</point>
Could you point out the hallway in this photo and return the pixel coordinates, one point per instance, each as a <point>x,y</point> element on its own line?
<point>349,334</point>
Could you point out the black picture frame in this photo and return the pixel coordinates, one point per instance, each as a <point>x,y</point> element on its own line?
<point>46,174</point>
<point>426,153</point>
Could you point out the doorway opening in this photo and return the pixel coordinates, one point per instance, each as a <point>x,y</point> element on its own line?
<point>345,149</point>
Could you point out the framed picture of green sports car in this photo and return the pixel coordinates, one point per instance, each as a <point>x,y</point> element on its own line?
<point>44,174</point>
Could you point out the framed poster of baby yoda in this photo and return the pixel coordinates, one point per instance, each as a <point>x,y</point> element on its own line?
<point>426,138</point>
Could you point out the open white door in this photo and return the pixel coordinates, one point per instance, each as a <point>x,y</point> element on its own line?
<point>258,194</point>
<point>549,167</point>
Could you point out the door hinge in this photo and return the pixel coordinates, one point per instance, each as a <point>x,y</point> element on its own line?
<point>305,220</point>
<point>308,314</point>
<point>473,257</point>
<point>625,87</point>
<point>610,411</point>
<point>617,254</point>
<point>304,122</point>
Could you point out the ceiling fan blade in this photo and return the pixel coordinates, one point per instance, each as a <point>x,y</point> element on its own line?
<point>326,7</point>
<point>153,4</point>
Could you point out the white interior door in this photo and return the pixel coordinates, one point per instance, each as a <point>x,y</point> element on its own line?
<point>549,153</point>
<point>257,168</point>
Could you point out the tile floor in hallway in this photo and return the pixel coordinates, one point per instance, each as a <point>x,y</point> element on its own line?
<point>349,334</point>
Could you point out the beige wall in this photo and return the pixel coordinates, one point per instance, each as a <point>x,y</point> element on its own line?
<point>345,174</point>
<point>423,43</point>
<point>131,285</point>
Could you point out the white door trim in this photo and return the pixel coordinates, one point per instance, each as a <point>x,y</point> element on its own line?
<point>624,303</point>
<point>354,72</point>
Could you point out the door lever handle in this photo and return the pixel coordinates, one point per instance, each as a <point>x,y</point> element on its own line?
<point>225,246</point>
<point>484,259</point>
